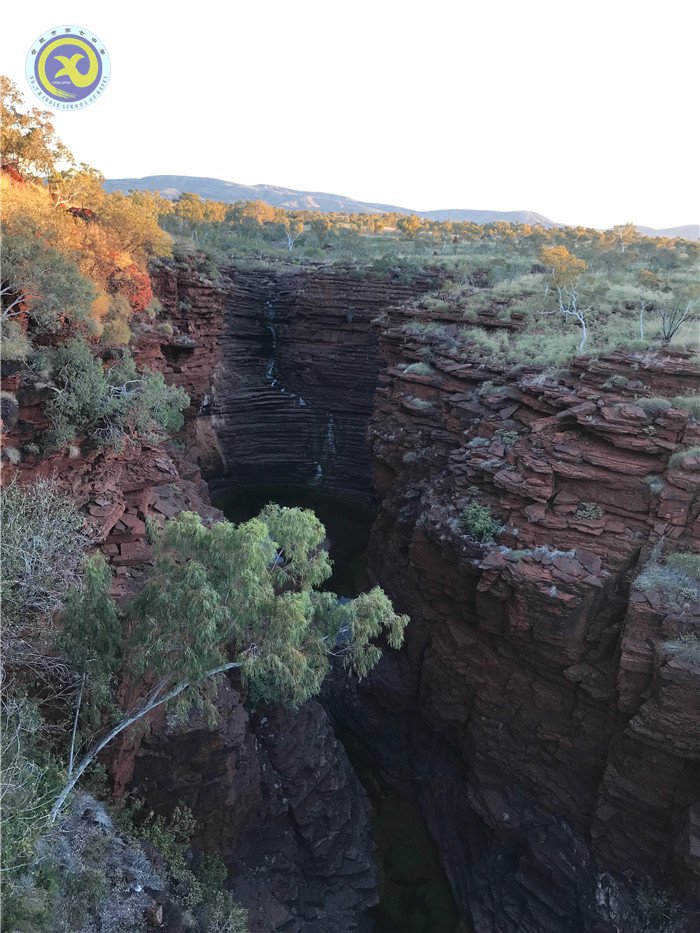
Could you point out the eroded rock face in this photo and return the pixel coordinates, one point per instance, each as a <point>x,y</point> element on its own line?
<point>275,794</point>
<point>573,732</point>
<point>293,366</point>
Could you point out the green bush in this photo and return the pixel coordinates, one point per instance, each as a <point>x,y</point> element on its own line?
<point>691,404</point>
<point>116,333</point>
<point>171,837</point>
<point>589,510</point>
<point>41,559</point>
<point>107,405</point>
<point>46,283</point>
<point>677,578</point>
<point>506,437</point>
<point>686,646</point>
<point>14,343</point>
<point>423,404</point>
<point>652,406</point>
<point>680,455</point>
<point>478,521</point>
<point>420,369</point>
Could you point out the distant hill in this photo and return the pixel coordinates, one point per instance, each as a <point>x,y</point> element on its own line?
<point>172,186</point>
<point>688,232</point>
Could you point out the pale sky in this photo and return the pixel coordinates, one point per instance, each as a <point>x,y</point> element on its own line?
<point>586,112</point>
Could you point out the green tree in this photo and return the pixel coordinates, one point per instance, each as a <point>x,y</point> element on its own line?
<point>28,139</point>
<point>41,283</point>
<point>228,597</point>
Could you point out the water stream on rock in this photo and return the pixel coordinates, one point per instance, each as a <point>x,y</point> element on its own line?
<point>414,893</point>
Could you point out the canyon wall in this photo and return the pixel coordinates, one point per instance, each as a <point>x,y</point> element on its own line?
<point>297,369</point>
<point>537,710</point>
<point>536,714</point>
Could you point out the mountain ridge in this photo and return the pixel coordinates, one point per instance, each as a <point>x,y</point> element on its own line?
<point>172,186</point>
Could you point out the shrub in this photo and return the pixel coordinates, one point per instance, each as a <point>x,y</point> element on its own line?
<point>615,382</point>
<point>171,837</point>
<point>686,646</point>
<point>14,343</point>
<point>42,282</point>
<point>677,579</point>
<point>108,405</point>
<point>154,308</point>
<point>691,404</point>
<point>506,437</point>
<point>420,369</point>
<point>422,404</point>
<point>652,406</point>
<point>655,483</point>
<point>29,779</point>
<point>116,333</point>
<point>478,521</point>
<point>41,559</point>
<point>589,510</point>
<point>680,455</point>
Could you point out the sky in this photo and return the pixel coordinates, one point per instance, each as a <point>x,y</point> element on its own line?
<point>586,112</point>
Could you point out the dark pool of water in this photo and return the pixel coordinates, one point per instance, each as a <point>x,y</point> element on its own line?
<point>414,893</point>
<point>347,524</point>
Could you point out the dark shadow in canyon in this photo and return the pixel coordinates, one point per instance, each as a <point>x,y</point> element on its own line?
<point>414,892</point>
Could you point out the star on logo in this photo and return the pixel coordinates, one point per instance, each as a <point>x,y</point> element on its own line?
<point>82,33</point>
<point>42,39</point>
<point>33,51</point>
<point>67,28</point>
<point>53,33</point>
<point>102,51</point>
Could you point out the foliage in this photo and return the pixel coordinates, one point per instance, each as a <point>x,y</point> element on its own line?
<point>478,521</point>
<point>589,510</point>
<point>253,586</point>
<point>198,883</point>
<point>690,403</point>
<point>171,837</point>
<point>108,405</point>
<point>29,780</point>
<point>419,369</point>
<point>14,343</point>
<point>28,139</point>
<point>653,406</point>
<point>42,283</point>
<point>41,564</point>
<point>677,458</point>
<point>686,646</point>
<point>506,437</point>
<point>676,578</point>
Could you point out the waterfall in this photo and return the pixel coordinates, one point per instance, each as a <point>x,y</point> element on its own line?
<point>270,370</point>
<point>330,436</point>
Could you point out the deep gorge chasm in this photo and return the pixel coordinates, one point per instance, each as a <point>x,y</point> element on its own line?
<point>536,717</point>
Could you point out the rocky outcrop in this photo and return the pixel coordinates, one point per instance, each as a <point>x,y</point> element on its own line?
<point>275,794</point>
<point>529,691</point>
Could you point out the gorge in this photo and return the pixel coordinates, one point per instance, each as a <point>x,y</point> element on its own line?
<point>538,717</point>
<point>534,712</point>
